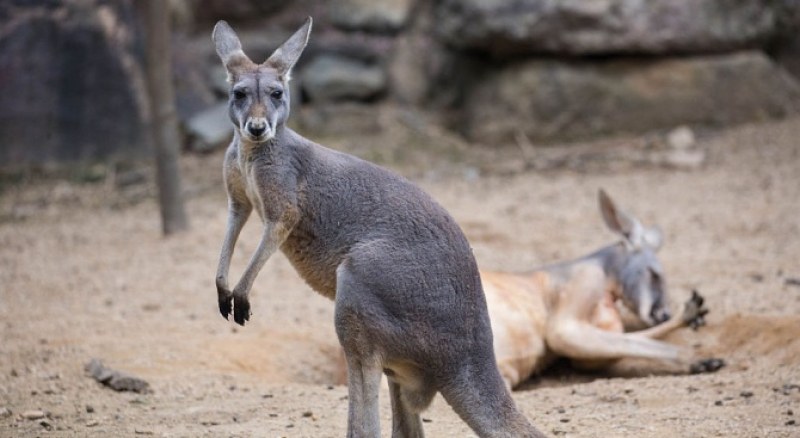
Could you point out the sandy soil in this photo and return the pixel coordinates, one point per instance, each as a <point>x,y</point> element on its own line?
<point>85,274</point>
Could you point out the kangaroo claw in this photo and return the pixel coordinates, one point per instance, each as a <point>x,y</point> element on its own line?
<point>241,309</point>
<point>225,298</point>
<point>694,312</point>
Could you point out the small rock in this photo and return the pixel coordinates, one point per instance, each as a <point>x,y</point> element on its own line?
<point>746,394</point>
<point>790,423</point>
<point>46,424</point>
<point>138,431</point>
<point>427,420</point>
<point>718,403</point>
<point>685,159</point>
<point>89,409</point>
<point>307,414</point>
<point>787,389</point>
<point>681,138</point>
<point>792,281</point>
<point>92,423</point>
<point>114,379</point>
<point>33,415</point>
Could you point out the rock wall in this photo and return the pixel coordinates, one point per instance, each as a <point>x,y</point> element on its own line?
<point>606,27</point>
<point>71,84</point>
<point>566,100</point>
<point>552,70</point>
<point>71,76</point>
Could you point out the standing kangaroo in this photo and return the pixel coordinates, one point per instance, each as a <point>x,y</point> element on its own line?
<point>408,297</point>
<point>569,309</point>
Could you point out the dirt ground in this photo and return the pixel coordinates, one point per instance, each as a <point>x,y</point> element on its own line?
<point>86,274</point>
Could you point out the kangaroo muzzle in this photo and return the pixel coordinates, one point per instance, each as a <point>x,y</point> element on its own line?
<point>257,129</point>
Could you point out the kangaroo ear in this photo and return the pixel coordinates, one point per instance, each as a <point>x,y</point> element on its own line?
<point>616,220</point>
<point>284,58</point>
<point>229,48</point>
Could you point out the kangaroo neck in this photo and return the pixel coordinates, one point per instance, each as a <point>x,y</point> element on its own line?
<point>251,151</point>
<point>611,258</point>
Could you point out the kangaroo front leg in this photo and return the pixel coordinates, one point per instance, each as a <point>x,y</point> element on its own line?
<point>582,341</point>
<point>692,314</point>
<point>274,234</point>
<point>237,217</point>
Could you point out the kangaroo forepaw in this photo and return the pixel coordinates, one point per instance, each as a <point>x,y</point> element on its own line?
<point>241,309</point>
<point>225,306</point>
<point>225,298</point>
<point>706,365</point>
<point>694,311</point>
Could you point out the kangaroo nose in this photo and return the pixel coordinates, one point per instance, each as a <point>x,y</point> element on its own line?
<point>256,129</point>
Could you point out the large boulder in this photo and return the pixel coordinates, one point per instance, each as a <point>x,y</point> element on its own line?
<point>418,59</point>
<point>209,11</point>
<point>71,85</point>
<point>557,100</point>
<point>370,15</point>
<point>786,46</point>
<point>332,77</point>
<point>601,27</point>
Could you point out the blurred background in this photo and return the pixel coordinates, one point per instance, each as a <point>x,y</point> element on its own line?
<point>511,113</point>
<point>495,73</point>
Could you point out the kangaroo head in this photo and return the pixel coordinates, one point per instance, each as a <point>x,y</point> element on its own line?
<point>259,94</point>
<point>640,275</point>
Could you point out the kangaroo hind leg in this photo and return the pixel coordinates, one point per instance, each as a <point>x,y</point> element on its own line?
<point>357,335</point>
<point>407,404</point>
<point>479,396</point>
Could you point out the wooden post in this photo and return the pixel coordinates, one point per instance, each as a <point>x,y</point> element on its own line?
<point>163,116</point>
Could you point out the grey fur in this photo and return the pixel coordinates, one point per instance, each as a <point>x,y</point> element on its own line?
<point>408,297</point>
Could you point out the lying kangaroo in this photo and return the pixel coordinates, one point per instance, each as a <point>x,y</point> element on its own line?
<point>569,309</point>
<point>408,297</point>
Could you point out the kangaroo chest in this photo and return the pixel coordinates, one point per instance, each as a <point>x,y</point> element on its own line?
<point>259,180</point>
<point>251,189</point>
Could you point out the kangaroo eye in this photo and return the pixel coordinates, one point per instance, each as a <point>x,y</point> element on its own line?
<point>239,94</point>
<point>277,94</point>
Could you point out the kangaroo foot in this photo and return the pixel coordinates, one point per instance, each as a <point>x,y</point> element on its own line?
<point>706,365</point>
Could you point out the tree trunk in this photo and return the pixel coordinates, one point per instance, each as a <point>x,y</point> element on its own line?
<point>163,116</point>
